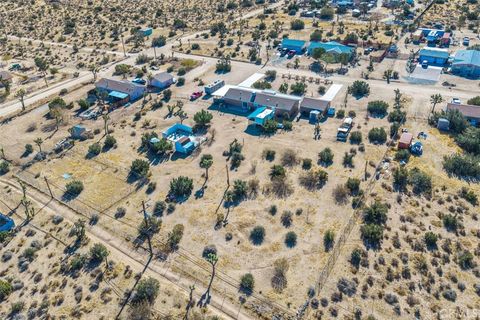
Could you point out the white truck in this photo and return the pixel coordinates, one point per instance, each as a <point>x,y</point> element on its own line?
<point>344,129</point>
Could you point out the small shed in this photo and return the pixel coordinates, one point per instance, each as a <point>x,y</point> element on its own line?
<point>162,80</point>
<point>405,140</point>
<point>443,124</point>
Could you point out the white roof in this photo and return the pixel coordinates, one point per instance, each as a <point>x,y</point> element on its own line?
<point>247,83</point>
<point>331,92</point>
<point>264,113</point>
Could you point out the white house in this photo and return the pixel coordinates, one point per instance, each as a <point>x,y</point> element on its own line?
<point>133,90</point>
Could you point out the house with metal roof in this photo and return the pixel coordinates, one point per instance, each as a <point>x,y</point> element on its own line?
<point>162,80</point>
<point>121,89</point>
<point>282,103</point>
<point>239,97</point>
<point>331,47</point>
<point>466,63</point>
<point>296,45</point>
<point>434,56</point>
<point>470,112</point>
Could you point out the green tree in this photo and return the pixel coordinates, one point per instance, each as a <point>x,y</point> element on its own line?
<point>247,283</point>
<point>147,291</point>
<point>205,163</point>
<point>42,66</point>
<point>98,252</point>
<point>297,24</point>
<point>175,236</point>
<point>74,187</point>
<point>202,118</point>
<point>140,168</point>
<point>359,88</point>
<point>181,186</point>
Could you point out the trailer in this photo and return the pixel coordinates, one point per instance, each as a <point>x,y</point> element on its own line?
<point>344,129</point>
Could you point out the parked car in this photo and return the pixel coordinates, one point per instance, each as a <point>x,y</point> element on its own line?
<point>466,41</point>
<point>283,52</point>
<point>456,101</point>
<point>139,81</point>
<point>196,95</point>
<point>154,68</point>
<point>424,64</point>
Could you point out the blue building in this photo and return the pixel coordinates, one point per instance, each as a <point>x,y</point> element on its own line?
<point>261,115</point>
<point>296,45</point>
<point>331,47</point>
<point>182,138</point>
<point>466,63</point>
<point>434,56</point>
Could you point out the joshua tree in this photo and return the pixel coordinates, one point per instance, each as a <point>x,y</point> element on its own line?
<point>79,230</point>
<point>94,70</point>
<point>434,100</point>
<point>20,95</point>
<point>105,118</point>
<point>206,162</point>
<point>39,142</point>
<point>42,66</point>
<point>210,254</point>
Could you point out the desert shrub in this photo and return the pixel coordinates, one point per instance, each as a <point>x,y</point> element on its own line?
<point>109,142</point>
<point>291,239</point>
<point>376,213</point>
<point>353,185</point>
<point>327,13</point>
<point>397,116</point>
<point>462,166</point>
<point>175,236</point>
<point>181,186</point>
<point>400,178</point>
<point>356,137</point>
<point>430,239</point>
<point>147,290</point>
<point>297,24</point>
<point>356,257</point>
<point>372,234</point>
<point>28,149</point>
<point>74,187</point>
<point>450,222</point>
<point>469,196</point>
<point>268,154</point>
<point>247,283</point>
<point>402,155</point>
<point>94,149</point>
<point>306,164</point>
<point>314,179</point>
<point>346,286</point>
<point>149,226</point>
<point>340,194</point>
<point>340,114</point>
<point>5,289</point>
<point>279,279</point>
<point>98,252</point>
<point>377,135</point>
<point>286,218</point>
<point>348,160</point>
<point>465,260</point>
<point>257,235</point>
<point>325,157</point>
<point>359,88</point>
<point>240,189</point>
<point>159,207</point>
<point>4,167</point>
<point>469,140</point>
<point>328,239</point>
<point>140,168</point>
<point>289,158</point>
<point>277,172</point>
<point>420,181</point>
<point>77,262</point>
<point>298,88</point>
<point>377,108</point>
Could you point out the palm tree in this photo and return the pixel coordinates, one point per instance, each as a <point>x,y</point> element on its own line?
<point>39,142</point>
<point>20,95</point>
<point>206,162</point>
<point>434,100</point>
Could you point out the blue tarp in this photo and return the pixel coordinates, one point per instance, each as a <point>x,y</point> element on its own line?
<point>6,223</point>
<point>118,95</point>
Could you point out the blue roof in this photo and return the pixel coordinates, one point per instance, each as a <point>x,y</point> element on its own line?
<point>292,42</point>
<point>434,53</point>
<point>331,46</point>
<point>119,95</point>
<point>467,57</point>
<point>255,113</point>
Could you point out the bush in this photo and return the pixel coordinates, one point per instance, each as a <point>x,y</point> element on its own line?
<point>377,108</point>
<point>356,137</point>
<point>147,290</point>
<point>257,235</point>
<point>149,226</point>
<point>360,88</point>
<point>28,149</point>
<point>474,101</point>
<point>239,189</point>
<point>325,156</point>
<point>397,116</point>
<point>269,154</point>
<point>375,214</point>
<point>297,24</point>
<point>140,168</point>
<point>306,164</point>
<point>181,186</point>
<point>450,222</point>
<point>377,135</point>
<point>327,13</point>
<point>109,142</point>
<point>462,166</point>
<point>202,118</point>
<point>289,158</point>
<point>314,179</point>
<point>421,182</point>
<point>430,239</point>
<point>291,239</point>
<point>159,208</point>
<point>465,260</point>
<point>5,289</point>
<point>298,88</point>
<point>180,81</point>
<point>402,155</point>
<point>98,252</point>
<point>328,239</point>
<point>74,187</point>
<point>4,167</point>
<point>372,234</point>
<point>247,283</point>
<point>175,236</point>
<point>340,194</point>
<point>400,178</point>
<point>353,185</point>
<point>94,149</point>
<point>469,140</point>
<point>469,196</point>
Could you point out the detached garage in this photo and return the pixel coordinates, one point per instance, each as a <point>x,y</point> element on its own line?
<point>434,56</point>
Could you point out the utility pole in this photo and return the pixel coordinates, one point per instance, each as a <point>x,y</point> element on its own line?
<point>145,217</point>
<point>48,186</point>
